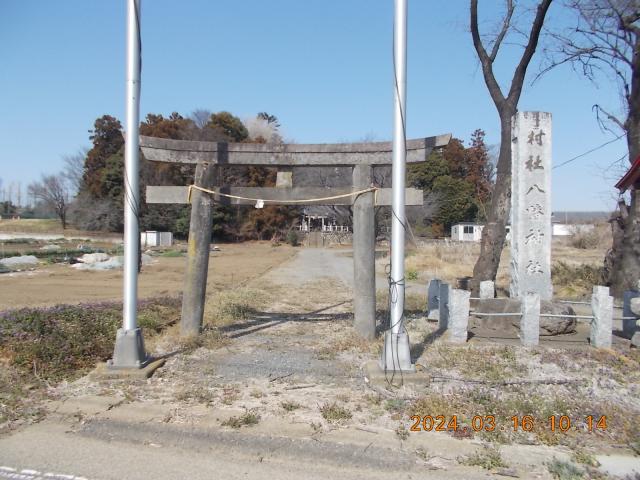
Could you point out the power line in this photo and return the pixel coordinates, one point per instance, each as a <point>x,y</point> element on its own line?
<point>589,151</point>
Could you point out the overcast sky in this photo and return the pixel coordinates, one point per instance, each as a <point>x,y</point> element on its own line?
<point>323,67</point>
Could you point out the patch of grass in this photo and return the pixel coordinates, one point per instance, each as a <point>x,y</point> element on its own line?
<point>561,470</point>
<point>349,341</point>
<point>395,405</point>
<point>488,458</point>
<point>247,419</point>
<point>492,363</point>
<point>576,281</point>
<point>411,274</point>
<point>332,412</point>
<point>198,395</point>
<point>230,306</point>
<point>210,338</point>
<point>585,458</point>
<point>39,346</point>
<point>290,406</point>
<point>257,393</point>
<point>62,341</point>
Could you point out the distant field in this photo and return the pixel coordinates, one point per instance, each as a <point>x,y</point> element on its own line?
<point>31,226</point>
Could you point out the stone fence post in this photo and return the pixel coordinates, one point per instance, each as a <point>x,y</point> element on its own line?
<point>487,289</point>
<point>459,301</point>
<point>443,307</point>
<point>602,323</point>
<point>433,299</point>
<point>629,325</point>
<point>530,321</point>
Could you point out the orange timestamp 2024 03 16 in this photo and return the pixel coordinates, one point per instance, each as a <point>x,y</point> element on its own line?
<point>525,423</point>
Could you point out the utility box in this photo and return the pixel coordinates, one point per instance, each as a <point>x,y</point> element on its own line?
<point>156,239</point>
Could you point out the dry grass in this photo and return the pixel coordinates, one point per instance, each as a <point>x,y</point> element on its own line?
<point>443,259</point>
<point>349,341</point>
<point>451,261</point>
<point>31,226</point>
<point>230,306</point>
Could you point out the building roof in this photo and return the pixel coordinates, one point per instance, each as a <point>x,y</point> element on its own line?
<point>630,178</point>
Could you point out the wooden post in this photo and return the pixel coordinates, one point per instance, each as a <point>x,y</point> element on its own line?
<point>364,255</point>
<point>195,285</point>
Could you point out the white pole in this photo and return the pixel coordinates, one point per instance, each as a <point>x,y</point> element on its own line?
<point>132,171</point>
<point>398,167</point>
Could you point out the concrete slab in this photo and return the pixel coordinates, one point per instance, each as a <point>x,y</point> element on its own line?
<point>102,372</point>
<point>378,378</point>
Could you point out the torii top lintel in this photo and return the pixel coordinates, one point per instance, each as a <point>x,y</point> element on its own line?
<point>286,154</point>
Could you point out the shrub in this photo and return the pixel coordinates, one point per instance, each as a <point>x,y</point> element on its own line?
<point>292,238</point>
<point>62,341</point>
<point>332,412</point>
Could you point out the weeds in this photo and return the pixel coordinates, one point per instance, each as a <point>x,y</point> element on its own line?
<point>39,346</point>
<point>561,470</point>
<point>402,432</point>
<point>290,406</point>
<point>488,458</point>
<point>332,412</point>
<point>247,419</point>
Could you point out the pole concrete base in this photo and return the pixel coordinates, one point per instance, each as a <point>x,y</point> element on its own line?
<point>396,354</point>
<point>129,350</point>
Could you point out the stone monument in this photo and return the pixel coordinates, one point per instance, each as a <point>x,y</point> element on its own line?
<point>531,205</point>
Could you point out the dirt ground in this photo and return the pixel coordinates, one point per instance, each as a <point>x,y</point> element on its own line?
<point>290,384</point>
<point>54,284</point>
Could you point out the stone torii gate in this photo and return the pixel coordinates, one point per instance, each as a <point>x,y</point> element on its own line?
<point>210,156</point>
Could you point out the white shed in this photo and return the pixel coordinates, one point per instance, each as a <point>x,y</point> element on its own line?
<point>467,232</point>
<point>152,238</point>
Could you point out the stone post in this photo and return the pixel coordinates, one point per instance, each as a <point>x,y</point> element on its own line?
<point>602,323</point>
<point>195,285</point>
<point>433,299</point>
<point>443,307</point>
<point>364,255</point>
<point>531,205</point>
<point>487,289</point>
<point>530,321</point>
<point>629,325</point>
<point>459,301</point>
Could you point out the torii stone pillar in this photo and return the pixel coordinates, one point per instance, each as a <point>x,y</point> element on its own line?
<point>364,254</point>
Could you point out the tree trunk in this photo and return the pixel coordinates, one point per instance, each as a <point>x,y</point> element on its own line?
<point>494,232</point>
<point>625,271</point>
<point>624,257</point>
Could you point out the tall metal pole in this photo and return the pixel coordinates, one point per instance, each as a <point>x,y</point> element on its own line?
<point>396,353</point>
<point>131,168</point>
<point>129,348</point>
<point>399,163</point>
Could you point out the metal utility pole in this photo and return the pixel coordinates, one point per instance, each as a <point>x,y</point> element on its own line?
<point>396,353</point>
<point>129,349</point>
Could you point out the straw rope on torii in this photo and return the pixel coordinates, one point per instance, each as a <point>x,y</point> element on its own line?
<point>363,196</point>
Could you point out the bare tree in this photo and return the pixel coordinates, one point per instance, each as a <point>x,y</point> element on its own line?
<point>74,169</point>
<point>52,191</point>
<point>494,233</point>
<point>605,43</point>
<point>200,117</point>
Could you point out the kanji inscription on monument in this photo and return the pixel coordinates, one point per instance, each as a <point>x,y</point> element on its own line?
<point>531,205</point>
